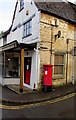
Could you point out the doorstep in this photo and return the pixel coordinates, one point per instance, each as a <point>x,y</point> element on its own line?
<point>16,89</point>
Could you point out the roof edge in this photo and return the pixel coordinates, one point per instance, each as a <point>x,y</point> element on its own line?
<point>4,34</point>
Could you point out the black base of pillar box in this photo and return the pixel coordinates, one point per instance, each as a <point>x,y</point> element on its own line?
<point>21,90</point>
<point>47,88</point>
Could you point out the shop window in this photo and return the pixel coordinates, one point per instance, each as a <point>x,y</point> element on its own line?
<point>12,65</point>
<point>58,64</point>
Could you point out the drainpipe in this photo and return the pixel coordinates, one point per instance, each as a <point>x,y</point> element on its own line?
<point>51,43</point>
<point>36,50</point>
<point>52,26</point>
<point>67,61</point>
<point>73,66</point>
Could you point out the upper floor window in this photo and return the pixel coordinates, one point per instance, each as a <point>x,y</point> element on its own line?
<point>21,4</point>
<point>27,28</point>
<point>58,64</point>
<point>4,40</point>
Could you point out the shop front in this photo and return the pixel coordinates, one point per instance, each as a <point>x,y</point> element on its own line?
<point>17,65</point>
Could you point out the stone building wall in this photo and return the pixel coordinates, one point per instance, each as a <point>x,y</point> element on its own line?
<point>59,45</point>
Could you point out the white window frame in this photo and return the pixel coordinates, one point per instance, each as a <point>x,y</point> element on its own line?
<point>28,28</point>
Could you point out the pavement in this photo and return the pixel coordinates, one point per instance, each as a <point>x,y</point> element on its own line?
<point>10,97</point>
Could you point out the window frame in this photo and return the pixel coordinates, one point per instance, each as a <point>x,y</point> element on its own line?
<point>21,5</point>
<point>28,27</point>
<point>5,40</point>
<point>63,65</point>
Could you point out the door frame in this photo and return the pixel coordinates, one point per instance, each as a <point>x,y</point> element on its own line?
<point>26,85</point>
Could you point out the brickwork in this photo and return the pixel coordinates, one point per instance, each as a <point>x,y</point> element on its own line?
<point>59,45</point>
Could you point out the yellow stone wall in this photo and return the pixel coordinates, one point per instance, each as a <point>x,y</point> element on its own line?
<point>59,46</point>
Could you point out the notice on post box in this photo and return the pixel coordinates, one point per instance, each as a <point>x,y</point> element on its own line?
<point>45,72</point>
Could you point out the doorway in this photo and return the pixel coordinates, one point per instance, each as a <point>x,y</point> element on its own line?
<point>27,70</point>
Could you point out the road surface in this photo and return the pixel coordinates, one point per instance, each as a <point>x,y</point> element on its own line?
<point>61,109</point>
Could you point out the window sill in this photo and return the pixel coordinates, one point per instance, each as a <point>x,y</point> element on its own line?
<point>58,76</point>
<point>21,9</point>
<point>26,36</point>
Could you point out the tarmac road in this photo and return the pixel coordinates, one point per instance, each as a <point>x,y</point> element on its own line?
<point>62,109</point>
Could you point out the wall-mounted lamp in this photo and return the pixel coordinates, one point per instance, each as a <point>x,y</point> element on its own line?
<point>58,35</point>
<point>27,12</point>
<point>56,22</point>
<point>53,22</point>
<point>9,59</point>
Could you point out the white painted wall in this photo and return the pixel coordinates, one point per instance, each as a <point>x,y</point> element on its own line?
<point>21,18</point>
<point>1,80</point>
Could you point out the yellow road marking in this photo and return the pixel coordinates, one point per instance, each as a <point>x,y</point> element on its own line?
<point>37,104</point>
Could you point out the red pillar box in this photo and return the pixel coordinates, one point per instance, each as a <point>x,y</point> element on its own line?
<point>47,76</point>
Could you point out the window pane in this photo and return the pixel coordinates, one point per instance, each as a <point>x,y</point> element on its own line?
<point>30,30</point>
<point>61,59</point>
<point>22,4</point>
<point>25,33</point>
<point>25,27</point>
<point>60,69</point>
<point>55,70</point>
<point>31,23</point>
<point>28,25</point>
<point>56,60</point>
